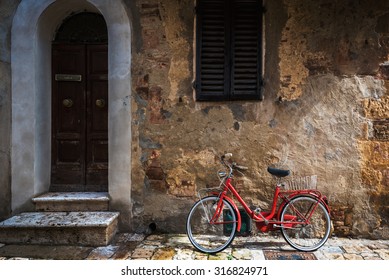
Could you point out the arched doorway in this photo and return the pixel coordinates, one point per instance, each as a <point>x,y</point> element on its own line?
<point>33,29</point>
<point>79,157</point>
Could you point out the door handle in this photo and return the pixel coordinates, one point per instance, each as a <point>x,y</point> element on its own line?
<point>68,103</point>
<point>100,103</point>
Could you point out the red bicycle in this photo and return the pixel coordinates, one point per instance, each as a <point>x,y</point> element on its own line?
<point>302,215</point>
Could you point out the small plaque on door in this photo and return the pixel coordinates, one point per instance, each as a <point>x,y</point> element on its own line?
<point>67,78</point>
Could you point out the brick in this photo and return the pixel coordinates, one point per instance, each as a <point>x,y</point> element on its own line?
<point>155,104</point>
<point>383,71</point>
<point>124,252</point>
<point>338,223</point>
<point>141,253</point>
<point>164,254</point>
<point>352,257</point>
<point>370,256</point>
<point>155,173</point>
<point>381,130</point>
<point>184,254</point>
<point>342,230</point>
<point>150,38</point>
<point>356,249</point>
<point>334,256</point>
<point>384,254</point>
<point>158,185</point>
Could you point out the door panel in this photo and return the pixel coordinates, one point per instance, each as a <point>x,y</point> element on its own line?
<point>97,125</point>
<point>79,122</point>
<point>68,116</point>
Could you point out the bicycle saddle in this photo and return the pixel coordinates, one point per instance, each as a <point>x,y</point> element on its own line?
<point>278,172</point>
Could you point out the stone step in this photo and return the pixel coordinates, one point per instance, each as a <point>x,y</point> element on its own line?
<point>60,228</point>
<point>72,201</point>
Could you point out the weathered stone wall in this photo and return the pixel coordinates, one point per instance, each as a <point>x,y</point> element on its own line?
<point>374,147</point>
<point>7,9</point>
<point>349,40</point>
<point>321,79</point>
<point>325,112</point>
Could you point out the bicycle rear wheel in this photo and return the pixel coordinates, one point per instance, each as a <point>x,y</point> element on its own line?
<point>315,226</point>
<point>208,231</point>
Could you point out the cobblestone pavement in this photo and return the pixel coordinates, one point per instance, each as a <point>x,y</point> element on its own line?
<point>177,247</point>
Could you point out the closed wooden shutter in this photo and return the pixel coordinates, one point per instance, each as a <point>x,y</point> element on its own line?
<point>211,52</point>
<point>246,50</point>
<point>228,64</point>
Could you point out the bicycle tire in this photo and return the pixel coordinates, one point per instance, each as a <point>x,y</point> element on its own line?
<point>206,237</point>
<point>306,237</point>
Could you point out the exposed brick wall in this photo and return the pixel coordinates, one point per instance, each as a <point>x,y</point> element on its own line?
<point>375,150</point>
<point>342,219</point>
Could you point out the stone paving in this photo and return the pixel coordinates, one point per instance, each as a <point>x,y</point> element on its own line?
<point>177,247</point>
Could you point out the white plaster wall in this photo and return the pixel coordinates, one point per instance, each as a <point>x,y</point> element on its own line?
<point>33,28</point>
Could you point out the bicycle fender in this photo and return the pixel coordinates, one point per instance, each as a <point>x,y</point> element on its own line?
<point>322,199</point>
<point>236,210</point>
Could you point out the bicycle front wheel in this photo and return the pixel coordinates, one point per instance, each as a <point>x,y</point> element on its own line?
<point>211,225</point>
<point>307,223</point>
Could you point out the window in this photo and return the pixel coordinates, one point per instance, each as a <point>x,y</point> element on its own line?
<point>228,50</point>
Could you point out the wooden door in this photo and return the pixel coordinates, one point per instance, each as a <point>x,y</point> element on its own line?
<point>79,118</point>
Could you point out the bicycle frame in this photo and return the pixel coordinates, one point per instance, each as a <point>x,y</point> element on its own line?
<point>266,221</point>
<point>302,215</point>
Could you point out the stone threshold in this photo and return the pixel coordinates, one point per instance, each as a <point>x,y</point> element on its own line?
<point>72,197</point>
<point>60,219</point>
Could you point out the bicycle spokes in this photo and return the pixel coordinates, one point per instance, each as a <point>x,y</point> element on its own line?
<point>215,234</point>
<point>308,223</point>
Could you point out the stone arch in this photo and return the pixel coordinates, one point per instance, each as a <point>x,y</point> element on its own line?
<point>33,27</point>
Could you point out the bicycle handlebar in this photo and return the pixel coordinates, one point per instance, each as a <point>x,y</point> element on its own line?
<point>234,165</point>
<point>240,167</point>
<point>226,156</point>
